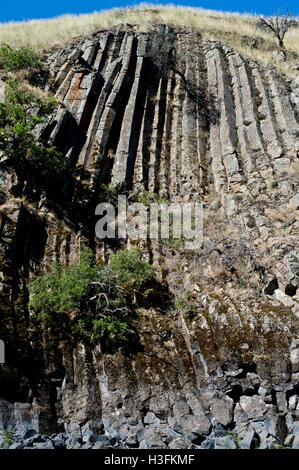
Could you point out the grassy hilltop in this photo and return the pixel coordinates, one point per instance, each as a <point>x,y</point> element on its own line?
<point>235,29</point>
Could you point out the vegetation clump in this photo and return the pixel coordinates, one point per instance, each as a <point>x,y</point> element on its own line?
<point>7,440</point>
<point>129,268</point>
<point>96,301</point>
<point>147,198</point>
<point>111,317</point>
<point>184,304</point>
<point>63,288</point>
<point>20,114</point>
<point>12,60</point>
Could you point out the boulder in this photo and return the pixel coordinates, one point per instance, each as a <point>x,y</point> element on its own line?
<point>195,424</point>
<point>179,443</point>
<point>253,406</point>
<point>43,445</point>
<point>222,410</point>
<point>226,442</point>
<point>245,439</point>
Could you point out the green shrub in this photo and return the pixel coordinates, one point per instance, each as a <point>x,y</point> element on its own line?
<point>173,243</point>
<point>62,289</point>
<point>109,321</point>
<point>185,304</point>
<point>113,330</point>
<point>48,163</point>
<point>101,306</point>
<point>6,440</point>
<point>20,114</point>
<point>147,197</point>
<point>17,59</point>
<point>128,267</point>
<point>182,302</point>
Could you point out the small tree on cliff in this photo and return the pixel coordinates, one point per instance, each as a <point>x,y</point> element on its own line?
<point>278,24</point>
<point>95,301</point>
<point>20,115</point>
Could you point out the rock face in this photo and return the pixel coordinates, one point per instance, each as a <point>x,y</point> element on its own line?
<point>224,375</point>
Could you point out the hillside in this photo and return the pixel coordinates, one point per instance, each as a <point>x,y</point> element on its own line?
<point>170,114</point>
<point>236,30</point>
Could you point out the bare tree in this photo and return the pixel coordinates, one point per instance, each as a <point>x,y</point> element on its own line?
<point>278,24</point>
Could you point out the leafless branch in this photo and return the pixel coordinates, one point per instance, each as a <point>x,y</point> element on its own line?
<point>278,24</point>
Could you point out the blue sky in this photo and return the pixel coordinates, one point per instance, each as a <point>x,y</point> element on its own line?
<point>19,10</point>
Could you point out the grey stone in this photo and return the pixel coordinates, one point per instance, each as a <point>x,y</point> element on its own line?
<point>112,434</point>
<point>140,435</point>
<point>289,420</point>
<point>32,440</point>
<point>281,401</point>
<point>268,399</point>
<point>181,408</point>
<point>133,421</point>
<point>86,446</point>
<point>144,444</point>
<point>222,410</point>
<point>226,442</point>
<point>72,428</point>
<point>132,439</point>
<point>24,416</point>
<point>91,427</point>
<point>208,443</point>
<point>219,430</point>
<point>73,441</point>
<point>289,440</point>
<point>58,443</point>
<point>100,445</point>
<point>179,443</point>
<point>253,406</point>
<point>295,428</point>
<point>281,428</point>
<point>156,445</point>
<point>92,438</point>
<point>294,356</point>
<point>43,445</point>
<point>246,439</point>
<point>239,415</point>
<point>295,444</point>
<point>255,380</point>
<point>151,418</point>
<point>16,445</point>
<point>293,400</point>
<point>265,388</point>
<point>292,265</point>
<point>270,424</point>
<point>195,424</point>
<point>295,378</point>
<point>175,425</point>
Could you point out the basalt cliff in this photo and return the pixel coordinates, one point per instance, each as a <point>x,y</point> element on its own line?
<point>214,128</point>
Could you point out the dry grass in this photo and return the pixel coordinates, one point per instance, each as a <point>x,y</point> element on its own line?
<point>235,29</point>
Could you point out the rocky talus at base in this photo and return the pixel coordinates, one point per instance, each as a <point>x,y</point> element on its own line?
<point>224,376</point>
